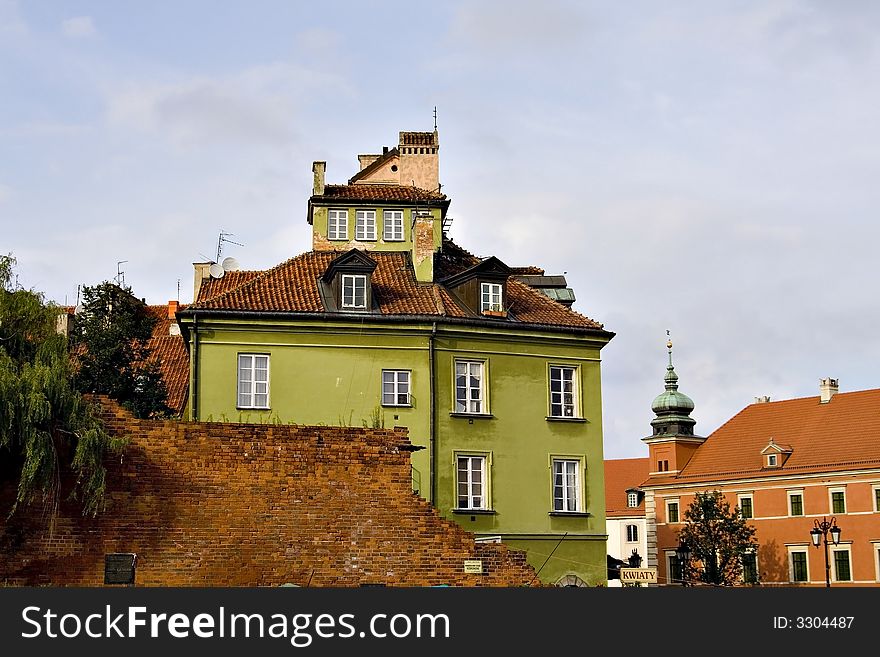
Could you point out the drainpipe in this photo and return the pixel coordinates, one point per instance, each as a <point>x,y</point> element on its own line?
<point>432,438</point>
<point>194,413</point>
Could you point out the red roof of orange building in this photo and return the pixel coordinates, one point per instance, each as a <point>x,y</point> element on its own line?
<point>170,351</point>
<point>621,475</point>
<point>379,192</point>
<point>842,434</point>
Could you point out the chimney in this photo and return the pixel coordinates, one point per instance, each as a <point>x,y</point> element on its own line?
<point>827,389</point>
<point>420,160</point>
<point>172,309</point>
<point>762,400</point>
<point>201,271</point>
<point>318,168</point>
<point>367,160</point>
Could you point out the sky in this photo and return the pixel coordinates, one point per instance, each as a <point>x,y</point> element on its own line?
<point>709,169</point>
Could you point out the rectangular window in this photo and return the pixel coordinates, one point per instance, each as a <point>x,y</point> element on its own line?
<point>632,500</point>
<point>745,506</point>
<point>354,291</point>
<point>566,485</point>
<point>365,225</point>
<point>799,566</point>
<point>672,512</point>
<point>471,482</point>
<point>337,228</point>
<point>392,222</point>
<point>771,460</point>
<point>632,533</point>
<point>469,386</point>
<point>253,381</point>
<point>838,501</point>
<point>877,498</point>
<point>750,568</point>
<point>491,296</point>
<point>663,466</point>
<point>841,566</point>
<point>395,387</point>
<point>796,504</point>
<point>563,391</point>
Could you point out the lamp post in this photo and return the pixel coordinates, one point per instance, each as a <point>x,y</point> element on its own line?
<point>820,533</point>
<point>683,554</point>
<point>635,559</point>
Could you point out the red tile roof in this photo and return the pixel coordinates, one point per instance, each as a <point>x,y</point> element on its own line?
<point>620,475</point>
<point>842,434</point>
<point>292,286</point>
<point>378,192</point>
<point>173,359</point>
<point>214,287</point>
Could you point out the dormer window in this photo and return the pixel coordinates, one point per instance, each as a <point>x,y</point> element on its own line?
<point>491,297</point>
<point>345,286</point>
<point>354,291</point>
<point>632,500</point>
<point>772,460</point>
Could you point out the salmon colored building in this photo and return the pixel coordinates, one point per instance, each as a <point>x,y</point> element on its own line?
<point>786,465</point>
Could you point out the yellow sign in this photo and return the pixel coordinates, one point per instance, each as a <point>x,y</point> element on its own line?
<point>474,566</point>
<point>638,575</point>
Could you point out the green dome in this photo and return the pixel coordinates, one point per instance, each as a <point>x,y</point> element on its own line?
<point>672,401</point>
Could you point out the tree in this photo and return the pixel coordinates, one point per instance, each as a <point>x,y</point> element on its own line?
<point>718,538</point>
<point>111,336</point>
<point>45,424</point>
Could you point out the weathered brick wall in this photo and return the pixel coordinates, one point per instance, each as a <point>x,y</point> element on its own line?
<point>211,504</point>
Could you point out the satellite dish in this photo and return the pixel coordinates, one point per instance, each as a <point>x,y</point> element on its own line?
<point>174,329</point>
<point>216,271</point>
<point>230,264</point>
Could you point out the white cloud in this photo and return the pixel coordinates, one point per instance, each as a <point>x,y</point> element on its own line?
<point>79,27</point>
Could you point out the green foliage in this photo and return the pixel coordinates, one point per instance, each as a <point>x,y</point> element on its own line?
<point>718,537</point>
<point>44,422</point>
<point>111,337</point>
<point>376,421</point>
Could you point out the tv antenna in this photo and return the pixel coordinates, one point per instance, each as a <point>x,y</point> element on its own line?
<point>224,238</point>
<point>435,118</point>
<point>120,275</point>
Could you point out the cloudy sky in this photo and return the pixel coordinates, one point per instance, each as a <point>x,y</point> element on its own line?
<point>707,168</point>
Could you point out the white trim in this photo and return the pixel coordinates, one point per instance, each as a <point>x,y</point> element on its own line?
<point>365,225</point>
<point>832,550</point>
<point>390,219</point>
<point>484,495</point>
<point>337,219</point>
<point>800,493</point>
<point>875,547</point>
<point>396,385</point>
<point>252,369</point>
<point>495,294</point>
<point>578,472</point>
<point>751,498</point>
<point>875,502</point>
<point>820,476</point>
<point>469,403</point>
<point>575,404</point>
<point>629,538</point>
<point>677,502</point>
<point>353,279</point>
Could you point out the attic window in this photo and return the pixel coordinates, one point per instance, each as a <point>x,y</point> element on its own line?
<point>772,461</point>
<point>491,297</point>
<point>632,500</point>
<point>354,291</point>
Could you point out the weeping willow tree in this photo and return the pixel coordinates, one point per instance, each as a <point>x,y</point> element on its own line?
<point>45,424</point>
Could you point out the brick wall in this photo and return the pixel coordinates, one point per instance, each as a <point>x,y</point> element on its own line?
<point>212,504</point>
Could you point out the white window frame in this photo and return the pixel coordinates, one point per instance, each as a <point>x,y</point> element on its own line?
<point>832,559</point>
<point>470,485</point>
<point>568,401</point>
<point>806,551</point>
<point>337,225</point>
<point>677,504</point>
<point>831,492</point>
<point>365,225</point>
<point>757,568</point>
<point>491,296</point>
<point>875,497</point>
<point>562,468</point>
<point>400,382</point>
<point>772,460</point>
<point>875,547</point>
<point>392,225</point>
<point>671,563</point>
<point>632,533</point>
<point>632,500</point>
<point>789,495</point>
<point>751,499</point>
<point>469,404</point>
<point>353,280</point>
<point>248,363</point>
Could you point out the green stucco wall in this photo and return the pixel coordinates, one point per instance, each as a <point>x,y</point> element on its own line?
<point>330,373</point>
<point>319,228</point>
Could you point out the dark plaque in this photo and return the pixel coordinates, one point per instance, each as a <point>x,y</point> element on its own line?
<point>119,568</point>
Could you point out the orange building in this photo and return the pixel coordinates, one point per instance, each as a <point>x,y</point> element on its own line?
<point>787,466</point>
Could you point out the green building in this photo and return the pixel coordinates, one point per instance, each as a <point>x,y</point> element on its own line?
<point>387,322</point>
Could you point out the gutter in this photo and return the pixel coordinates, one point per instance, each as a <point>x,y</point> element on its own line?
<point>432,433</point>
<point>400,319</point>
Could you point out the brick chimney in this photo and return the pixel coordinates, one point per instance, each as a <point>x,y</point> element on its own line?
<point>827,389</point>
<point>172,308</point>
<point>764,399</point>
<point>319,169</point>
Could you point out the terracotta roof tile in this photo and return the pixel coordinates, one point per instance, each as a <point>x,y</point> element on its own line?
<point>842,434</point>
<point>621,474</point>
<point>214,287</point>
<point>292,286</point>
<point>370,192</point>
<point>173,359</point>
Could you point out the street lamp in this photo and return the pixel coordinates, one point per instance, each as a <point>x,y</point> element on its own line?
<point>635,559</point>
<point>683,554</point>
<point>819,533</point>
